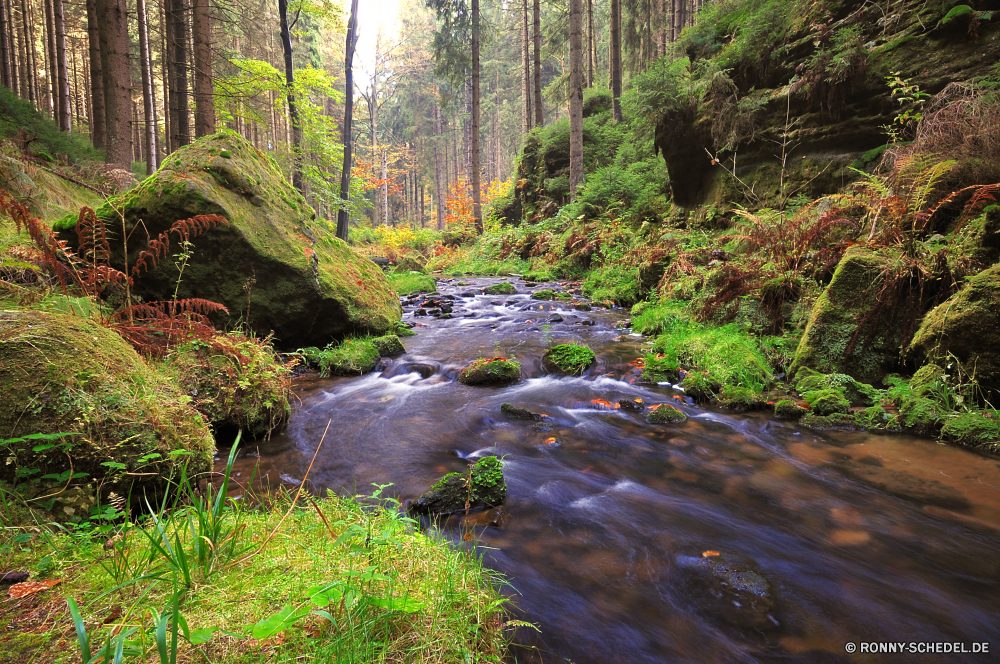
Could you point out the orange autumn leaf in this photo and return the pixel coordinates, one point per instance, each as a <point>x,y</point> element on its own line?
<point>19,590</point>
<point>707,554</point>
<point>550,441</point>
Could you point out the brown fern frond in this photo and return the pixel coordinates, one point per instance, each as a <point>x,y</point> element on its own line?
<point>185,229</point>
<point>93,237</point>
<point>53,253</point>
<point>154,328</point>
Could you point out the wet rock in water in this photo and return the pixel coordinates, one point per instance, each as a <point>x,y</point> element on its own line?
<point>831,422</point>
<point>636,404</point>
<point>544,294</point>
<point>664,413</point>
<point>388,345</point>
<point>544,427</point>
<point>581,306</point>
<point>586,321</point>
<point>502,288</point>
<point>730,591</point>
<point>568,358</point>
<point>740,399</point>
<point>919,490</point>
<point>787,409</point>
<point>466,294</point>
<point>482,486</point>
<point>493,371</point>
<point>555,318</point>
<point>515,413</point>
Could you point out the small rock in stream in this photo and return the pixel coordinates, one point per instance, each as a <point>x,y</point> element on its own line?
<point>555,318</point>
<point>448,495</point>
<point>515,413</point>
<point>729,590</point>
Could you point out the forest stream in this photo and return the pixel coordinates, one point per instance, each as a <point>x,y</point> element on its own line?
<point>609,521</point>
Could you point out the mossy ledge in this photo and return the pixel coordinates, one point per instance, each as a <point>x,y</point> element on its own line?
<point>67,374</point>
<point>310,286</point>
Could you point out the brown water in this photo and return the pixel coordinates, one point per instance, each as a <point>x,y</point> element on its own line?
<point>861,537</point>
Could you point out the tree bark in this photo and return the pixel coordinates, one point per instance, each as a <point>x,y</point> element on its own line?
<point>15,54</point>
<point>590,43</point>
<point>113,32</point>
<point>204,99</point>
<point>58,16</point>
<point>4,45</point>
<point>477,194</point>
<point>344,214</point>
<point>526,88</point>
<point>293,110</point>
<point>537,21</point>
<point>98,121</point>
<point>51,77</point>
<point>180,125</point>
<point>165,74</point>
<point>616,59</point>
<point>36,88</point>
<point>148,101</point>
<point>438,170</point>
<point>575,96</point>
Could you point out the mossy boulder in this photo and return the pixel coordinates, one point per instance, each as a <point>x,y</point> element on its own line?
<point>544,294</point>
<point>665,414</point>
<point>236,382</point>
<point>835,317</point>
<point>67,374</point>
<point>700,386</point>
<point>482,486</point>
<point>352,357</point>
<point>310,286</point>
<point>568,358</point>
<point>740,399</point>
<point>827,402</point>
<point>407,265</point>
<point>388,345</point>
<point>831,422</point>
<point>502,288</point>
<point>787,409</point>
<point>492,371</point>
<point>965,327</point>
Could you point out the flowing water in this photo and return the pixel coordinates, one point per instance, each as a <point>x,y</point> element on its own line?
<point>833,537</point>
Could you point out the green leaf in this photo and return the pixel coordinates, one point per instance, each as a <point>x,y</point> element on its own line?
<point>278,622</point>
<point>202,635</point>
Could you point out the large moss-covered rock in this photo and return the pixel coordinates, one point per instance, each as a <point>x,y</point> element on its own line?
<point>492,371</point>
<point>310,286</point>
<point>568,358</point>
<point>966,327</point>
<point>450,493</point>
<point>835,318</point>
<point>67,374</point>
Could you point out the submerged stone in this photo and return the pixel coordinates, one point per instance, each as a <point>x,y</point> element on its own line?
<point>482,486</point>
<point>731,591</point>
<point>515,413</point>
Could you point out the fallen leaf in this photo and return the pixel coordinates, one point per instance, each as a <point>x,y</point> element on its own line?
<point>550,441</point>
<point>19,590</point>
<point>709,553</point>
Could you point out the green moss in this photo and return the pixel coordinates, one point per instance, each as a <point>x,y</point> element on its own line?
<point>827,402</point>
<point>977,429</point>
<point>400,330</point>
<point>388,345</point>
<point>665,414</point>
<point>965,328</point>
<point>407,264</point>
<point>568,358</point>
<point>617,284</point>
<point>544,294</point>
<point>348,358</point>
<point>856,393</point>
<point>728,353</point>
<point>482,486</point>
<point>235,381</point>
<point>650,319</point>
<point>310,286</point>
<point>700,386</point>
<point>740,399</point>
<point>834,319</point>
<point>877,418</point>
<point>67,374</point>
<point>494,371</point>
<point>660,367</point>
<point>957,14</point>
<point>502,288</point>
<point>787,409</point>
<point>831,422</point>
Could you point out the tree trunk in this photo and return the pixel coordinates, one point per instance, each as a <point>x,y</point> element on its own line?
<point>293,111</point>
<point>344,214</point>
<point>616,59</point>
<point>575,96</point>
<point>98,121</point>
<point>148,102</point>
<point>113,31</point>
<point>4,45</point>
<point>385,189</point>
<point>537,20</point>
<point>477,194</point>
<point>36,88</point>
<point>51,77</point>
<point>438,170</point>
<point>165,74</point>
<point>62,72</point>
<point>180,125</point>
<point>526,88</point>
<point>204,99</point>
<point>15,54</point>
<point>590,43</point>
<point>26,73</point>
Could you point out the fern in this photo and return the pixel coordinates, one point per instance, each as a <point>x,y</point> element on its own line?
<point>185,229</point>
